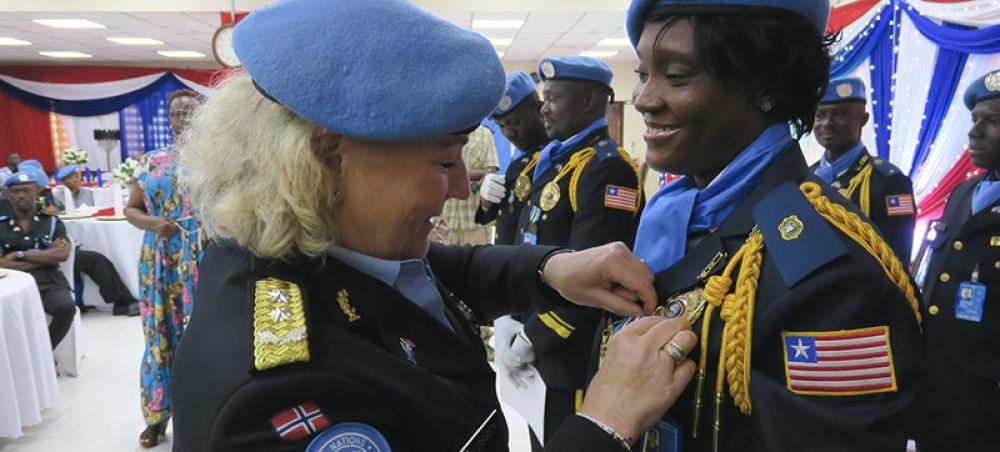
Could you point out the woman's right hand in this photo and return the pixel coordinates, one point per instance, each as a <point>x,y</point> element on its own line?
<point>166,229</point>
<point>638,381</point>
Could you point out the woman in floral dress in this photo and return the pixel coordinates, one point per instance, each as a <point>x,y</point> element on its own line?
<point>168,267</point>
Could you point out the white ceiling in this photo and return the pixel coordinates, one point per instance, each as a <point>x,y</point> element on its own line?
<point>551,27</point>
<point>543,33</point>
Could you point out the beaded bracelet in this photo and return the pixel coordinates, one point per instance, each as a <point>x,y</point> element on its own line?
<point>622,441</point>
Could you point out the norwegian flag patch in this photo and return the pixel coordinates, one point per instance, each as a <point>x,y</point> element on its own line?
<point>839,363</point>
<point>299,421</point>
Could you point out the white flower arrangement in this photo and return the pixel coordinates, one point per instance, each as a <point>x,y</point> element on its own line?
<point>124,173</point>
<point>75,156</point>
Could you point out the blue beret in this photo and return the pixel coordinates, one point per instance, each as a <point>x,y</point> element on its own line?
<point>382,70</point>
<point>816,11</point>
<point>66,171</point>
<point>519,87</point>
<point>29,164</point>
<point>844,89</point>
<point>575,68</point>
<point>984,88</point>
<point>19,178</point>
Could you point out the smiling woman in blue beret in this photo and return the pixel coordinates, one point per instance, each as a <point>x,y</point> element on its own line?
<point>809,326</point>
<point>326,320</point>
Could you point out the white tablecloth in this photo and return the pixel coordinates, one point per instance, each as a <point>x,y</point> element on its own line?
<point>119,241</point>
<point>27,371</point>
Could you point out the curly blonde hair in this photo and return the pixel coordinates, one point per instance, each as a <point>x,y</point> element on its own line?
<point>252,176</point>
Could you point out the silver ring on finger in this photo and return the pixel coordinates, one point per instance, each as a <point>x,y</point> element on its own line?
<point>675,352</point>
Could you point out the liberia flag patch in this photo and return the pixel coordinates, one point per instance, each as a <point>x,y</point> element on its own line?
<point>299,421</point>
<point>899,205</point>
<point>620,198</point>
<point>839,363</point>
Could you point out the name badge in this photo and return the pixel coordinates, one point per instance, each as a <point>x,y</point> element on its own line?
<point>970,301</point>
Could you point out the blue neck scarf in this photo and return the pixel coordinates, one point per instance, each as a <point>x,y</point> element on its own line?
<point>829,171</point>
<point>557,149</point>
<point>680,208</point>
<point>987,192</point>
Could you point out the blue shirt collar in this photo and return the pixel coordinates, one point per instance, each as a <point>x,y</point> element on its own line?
<point>829,171</point>
<point>383,270</point>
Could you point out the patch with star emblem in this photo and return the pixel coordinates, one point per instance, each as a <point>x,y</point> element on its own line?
<point>839,363</point>
<point>279,324</point>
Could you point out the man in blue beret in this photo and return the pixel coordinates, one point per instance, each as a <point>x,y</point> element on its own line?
<point>584,191</point>
<point>520,119</point>
<point>959,403</point>
<point>69,177</point>
<point>46,200</point>
<point>33,242</point>
<point>879,188</point>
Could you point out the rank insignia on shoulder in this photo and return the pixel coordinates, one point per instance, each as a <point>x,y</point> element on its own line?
<point>791,228</point>
<point>899,205</point>
<point>621,198</point>
<point>299,421</point>
<point>345,305</point>
<point>279,324</point>
<point>409,349</point>
<point>839,363</point>
<point>350,437</point>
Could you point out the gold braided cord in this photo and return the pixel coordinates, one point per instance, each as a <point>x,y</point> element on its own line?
<point>864,180</point>
<point>738,316</point>
<point>531,165</point>
<point>576,165</point>
<point>866,236</point>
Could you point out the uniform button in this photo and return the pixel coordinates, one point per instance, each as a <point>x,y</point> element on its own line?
<point>996,265</point>
<point>958,245</point>
<point>545,217</point>
<point>933,310</point>
<point>945,277</point>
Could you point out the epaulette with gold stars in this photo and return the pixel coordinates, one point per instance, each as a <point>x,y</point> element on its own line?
<point>279,324</point>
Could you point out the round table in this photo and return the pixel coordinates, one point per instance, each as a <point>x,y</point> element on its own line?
<point>119,241</point>
<point>27,371</point>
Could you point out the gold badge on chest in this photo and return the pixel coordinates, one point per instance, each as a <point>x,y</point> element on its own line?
<point>689,304</point>
<point>550,196</point>
<point>522,186</point>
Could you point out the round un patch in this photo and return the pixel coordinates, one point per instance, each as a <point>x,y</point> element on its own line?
<point>349,437</point>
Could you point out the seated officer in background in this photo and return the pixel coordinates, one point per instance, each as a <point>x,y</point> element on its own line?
<point>36,243</point>
<point>46,201</point>
<point>327,317</point>
<point>584,191</point>
<point>960,403</point>
<point>91,263</point>
<point>503,195</point>
<point>69,176</point>
<point>879,188</point>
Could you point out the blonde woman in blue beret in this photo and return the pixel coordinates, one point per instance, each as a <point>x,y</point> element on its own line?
<point>809,327</point>
<point>325,319</point>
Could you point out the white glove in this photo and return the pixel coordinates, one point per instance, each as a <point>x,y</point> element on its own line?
<point>514,352</point>
<point>492,189</point>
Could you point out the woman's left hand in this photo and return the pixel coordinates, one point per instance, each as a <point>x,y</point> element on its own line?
<point>608,277</point>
